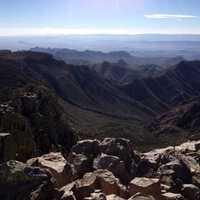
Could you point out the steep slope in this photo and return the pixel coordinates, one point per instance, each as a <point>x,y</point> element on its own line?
<point>93,105</point>
<point>107,104</point>
<point>184,118</point>
<point>84,88</point>
<point>167,89</point>
<point>31,114</point>
<point>145,95</point>
<point>120,73</point>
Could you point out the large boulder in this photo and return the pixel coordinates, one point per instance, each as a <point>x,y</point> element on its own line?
<point>148,186</point>
<point>190,146</point>
<point>90,148</point>
<point>123,149</point>
<point>175,172</point>
<point>55,163</point>
<point>190,163</point>
<point>80,164</point>
<point>18,181</point>
<point>113,164</point>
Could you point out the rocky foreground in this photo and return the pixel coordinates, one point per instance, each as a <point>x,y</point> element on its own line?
<point>109,169</point>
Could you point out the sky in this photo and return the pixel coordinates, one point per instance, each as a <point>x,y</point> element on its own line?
<point>61,17</point>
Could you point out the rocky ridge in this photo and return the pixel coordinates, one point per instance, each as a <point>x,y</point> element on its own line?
<point>107,169</point>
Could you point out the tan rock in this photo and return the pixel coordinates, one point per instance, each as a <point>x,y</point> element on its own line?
<point>56,165</point>
<point>96,195</point>
<point>154,156</point>
<point>174,170</point>
<point>68,196</point>
<point>171,196</point>
<point>86,147</point>
<point>191,163</point>
<point>165,188</point>
<point>102,180</point>
<point>190,146</point>
<point>105,181</point>
<point>142,197</point>
<point>67,192</point>
<point>148,186</point>
<point>114,197</point>
<point>113,164</point>
<point>80,163</point>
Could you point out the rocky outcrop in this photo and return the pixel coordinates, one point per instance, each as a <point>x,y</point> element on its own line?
<point>101,170</point>
<point>89,148</point>
<point>113,164</point>
<point>80,164</point>
<point>160,174</point>
<point>121,148</point>
<point>114,154</point>
<point>174,174</point>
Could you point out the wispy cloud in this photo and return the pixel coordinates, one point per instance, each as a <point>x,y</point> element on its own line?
<point>170,16</point>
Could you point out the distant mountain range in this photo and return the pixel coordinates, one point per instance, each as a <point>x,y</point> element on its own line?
<point>147,45</point>
<point>87,57</point>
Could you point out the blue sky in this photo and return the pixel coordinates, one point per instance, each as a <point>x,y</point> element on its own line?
<point>52,17</point>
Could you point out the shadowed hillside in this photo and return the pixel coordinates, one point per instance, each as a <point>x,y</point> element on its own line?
<point>97,105</point>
